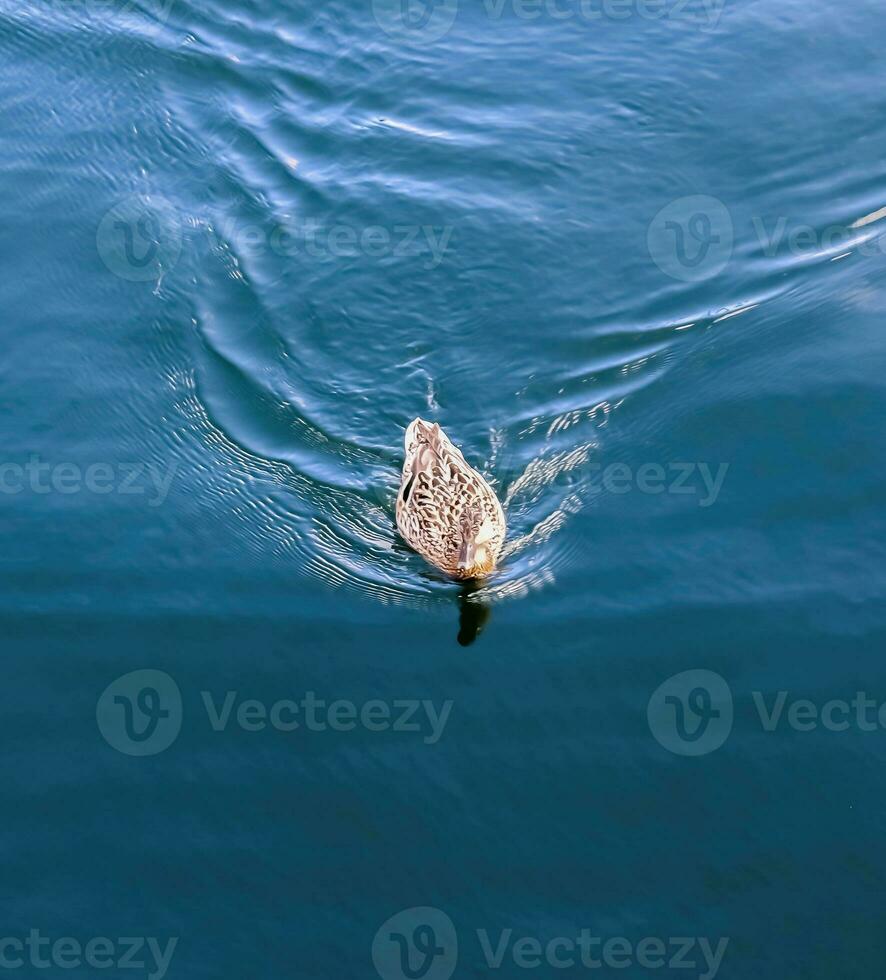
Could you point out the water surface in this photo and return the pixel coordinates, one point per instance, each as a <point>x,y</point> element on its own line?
<point>634,265</point>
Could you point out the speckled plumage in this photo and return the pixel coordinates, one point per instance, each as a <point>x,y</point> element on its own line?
<point>446,511</point>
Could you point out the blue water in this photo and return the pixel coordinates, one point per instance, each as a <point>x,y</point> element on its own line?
<point>632,257</point>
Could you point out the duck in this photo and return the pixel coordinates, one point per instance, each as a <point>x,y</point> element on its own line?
<point>446,511</point>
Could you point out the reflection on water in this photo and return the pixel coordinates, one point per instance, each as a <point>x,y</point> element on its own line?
<point>473,614</point>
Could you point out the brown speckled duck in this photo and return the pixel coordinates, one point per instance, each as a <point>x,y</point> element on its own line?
<point>446,511</point>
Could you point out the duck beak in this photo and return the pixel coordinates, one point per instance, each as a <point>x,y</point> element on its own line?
<point>467,556</point>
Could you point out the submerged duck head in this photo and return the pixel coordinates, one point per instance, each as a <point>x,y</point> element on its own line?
<point>475,557</point>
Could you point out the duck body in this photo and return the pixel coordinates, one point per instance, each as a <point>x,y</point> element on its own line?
<point>446,511</point>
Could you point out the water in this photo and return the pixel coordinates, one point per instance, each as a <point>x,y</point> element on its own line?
<point>630,256</point>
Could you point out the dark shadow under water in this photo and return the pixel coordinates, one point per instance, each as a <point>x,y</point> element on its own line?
<point>473,613</point>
